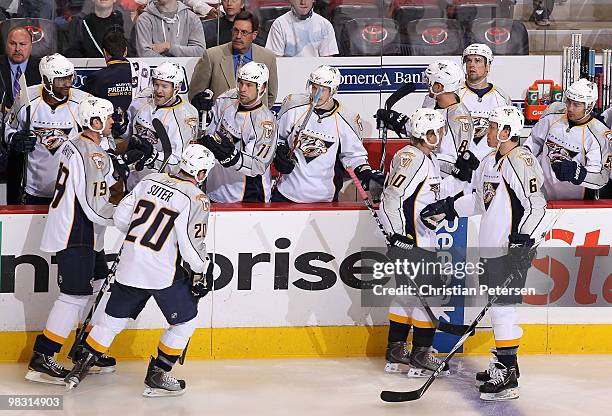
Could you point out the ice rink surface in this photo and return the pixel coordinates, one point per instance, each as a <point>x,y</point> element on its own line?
<point>550,385</point>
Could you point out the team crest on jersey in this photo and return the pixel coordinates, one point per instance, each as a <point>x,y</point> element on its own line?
<point>191,121</point>
<point>405,158</point>
<point>435,189</point>
<point>608,135</point>
<point>145,132</point>
<point>558,152</point>
<point>481,123</point>
<point>225,131</point>
<point>312,146</point>
<point>52,139</point>
<point>268,129</point>
<point>527,158</point>
<point>465,121</point>
<point>489,190</point>
<point>608,164</point>
<point>204,200</point>
<point>98,160</point>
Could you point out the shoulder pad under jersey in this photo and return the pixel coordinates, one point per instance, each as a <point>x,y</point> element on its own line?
<point>293,101</point>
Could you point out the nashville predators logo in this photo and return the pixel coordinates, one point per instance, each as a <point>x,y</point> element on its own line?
<point>608,135</point>
<point>559,152</point>
<point>267,127</point>
<point>312,147</point>
<point>527,158</point>
<point>489,190</point>
<point>435,189</point>
<point>481,123</point>
<point>145,132</point>
<point>98,160</point>
<point>227,132</point>
<point>465,121</point>
<point>204,200</point>
<point>405,158</point>
<point>52,139</point>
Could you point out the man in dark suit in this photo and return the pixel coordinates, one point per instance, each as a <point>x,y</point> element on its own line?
<point>17,61</point>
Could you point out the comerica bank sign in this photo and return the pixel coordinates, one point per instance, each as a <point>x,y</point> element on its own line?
<point>376,78</point>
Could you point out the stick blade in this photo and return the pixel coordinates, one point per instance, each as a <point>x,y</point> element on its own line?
<point>400,396</point>
<point>403,91</point>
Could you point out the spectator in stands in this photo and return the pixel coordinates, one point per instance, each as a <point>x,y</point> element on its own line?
<point>169,28</point>
<point>38,9</point>
<point>86,32</point>
<point>301,32</point>
<point>217,68</point>
<point>542,9</point>
<point>219,31</point>
<point>17,61</point>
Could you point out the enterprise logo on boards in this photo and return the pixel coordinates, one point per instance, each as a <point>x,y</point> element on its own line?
<point>376,79</point>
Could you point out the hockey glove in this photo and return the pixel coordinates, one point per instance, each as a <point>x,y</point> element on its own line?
<point>392,120</point>
<point>202,283</point>
<point>521,252</point>
<point>465,166</point>
<point>23,141</point>
<point>203,101</point>
<point>366,174</point>
<point>569,171</point>
<point>437,211</point>
<point>405,242</point>
<point>282,160</point>
<point>120,123</point>
<point>222,147</point>
<point>121,170</point>
<point>149,152</point>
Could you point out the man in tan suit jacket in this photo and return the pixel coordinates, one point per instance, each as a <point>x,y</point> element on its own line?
<point>216,70</point>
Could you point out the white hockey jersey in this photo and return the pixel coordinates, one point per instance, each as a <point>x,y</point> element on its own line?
<point>458,137</point>
<point>166,219</point>
<point>413,182</point>
<point>80,210</point>
<point>253,132</point>
<point>328,136</point>
<point>180,121</point>
<point>52,126</point>
<point>553,137</point>
<point>508,194</point>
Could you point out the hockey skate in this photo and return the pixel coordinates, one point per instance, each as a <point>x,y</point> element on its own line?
<point>502,386</point>
<point>158,383</point>
<point>44,369</point>
<point>80,370</point>
<point>423,363</point>
<point>484,376</point>
<point>103,365</point>
<point>397,355</point>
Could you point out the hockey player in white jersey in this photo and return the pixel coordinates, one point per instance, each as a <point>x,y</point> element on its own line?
<point>310,172</point>
<point>78,215</point>
<point>508,195</point>
<point>414,180</point>
<point>165,218</point>
<point>242,136</point>
<point>572,146</point>
<point>179,118</point>
<point>52,113</point>
<point>445,79</point>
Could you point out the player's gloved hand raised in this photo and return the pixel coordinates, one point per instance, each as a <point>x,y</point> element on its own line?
<point>437,211</point>
<point>202,283</point>
<point>149,152</point>
<point>120,123</point>
<point>282,160</point>
<point>465,166</point>
<point>392,120</point>
<point>203,101</point>
<point>23,141</point>
<point>223,148</point>
<point>121,169</point>
<point>569,171</point>
<point>521,252</point>
<point>366,174</point>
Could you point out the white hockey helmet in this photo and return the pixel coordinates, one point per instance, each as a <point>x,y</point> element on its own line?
<point>424,120</point>
<point>507,116</point>
<point>479,49</point>
<point>448,73</point>
<point>257,73</point>
<point>326,76</point>
<point>54,66</point>
<point>583,91</point>
<point>170,72</point>
<point>195,158</point>
<point>94,107</point>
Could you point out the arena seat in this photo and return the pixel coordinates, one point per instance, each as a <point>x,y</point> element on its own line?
<point>44,34</point>
<point>435,36</point>
<point>267,11</point>
<point>404,11</point>
<point>467,10</point>
<point>372,36</point>
<point>504,36</point>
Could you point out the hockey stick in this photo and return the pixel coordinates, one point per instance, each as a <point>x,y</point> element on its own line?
<point>80,335</point>
<point>296,134</point>
<point>438,324</point>
<point>400,93</point>
<point>25,99</point>
<point>406,396</point>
